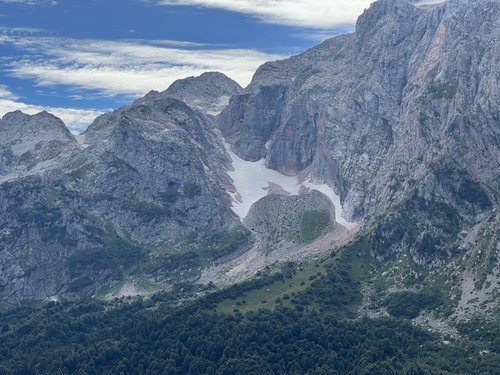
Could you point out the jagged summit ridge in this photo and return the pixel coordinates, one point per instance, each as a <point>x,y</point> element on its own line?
<point>148,181</point>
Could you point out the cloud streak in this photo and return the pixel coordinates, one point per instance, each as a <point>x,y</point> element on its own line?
<point>101,68</point>
<point>31,2</point>
<point>318,14</point>
<point>125,67</point>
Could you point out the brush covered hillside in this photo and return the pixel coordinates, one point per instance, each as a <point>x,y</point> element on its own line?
<point>337,216</point>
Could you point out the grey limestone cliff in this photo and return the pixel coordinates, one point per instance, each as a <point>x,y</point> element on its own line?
<point>372,112</point>
<point>401,118</point>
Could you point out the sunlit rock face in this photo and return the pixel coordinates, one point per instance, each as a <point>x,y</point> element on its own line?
<point>372,112</point>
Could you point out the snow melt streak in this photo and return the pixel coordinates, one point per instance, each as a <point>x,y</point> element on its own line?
<point>252,181</point>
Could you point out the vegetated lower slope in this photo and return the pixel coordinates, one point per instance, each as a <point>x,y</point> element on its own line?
<point>315,330</point>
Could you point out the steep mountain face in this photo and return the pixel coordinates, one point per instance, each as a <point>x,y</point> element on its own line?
<point>146,184</point>
<point>159,158</point>
<point>374,112</point>
<point>401,118</point>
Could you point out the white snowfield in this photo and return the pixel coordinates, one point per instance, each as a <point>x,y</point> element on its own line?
<point>253,181</point>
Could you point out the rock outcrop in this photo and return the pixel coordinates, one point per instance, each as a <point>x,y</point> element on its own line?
<point>208,93</point>
<point>291,219</point>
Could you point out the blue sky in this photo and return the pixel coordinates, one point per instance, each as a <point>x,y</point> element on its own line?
<point>78,58</point>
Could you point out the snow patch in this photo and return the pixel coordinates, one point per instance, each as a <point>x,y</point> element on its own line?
<point>223,101</point>
<point>253,181</point>
<point>330,193</point>
<point>219,106</point>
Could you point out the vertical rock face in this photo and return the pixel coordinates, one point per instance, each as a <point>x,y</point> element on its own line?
<point>373,111</point>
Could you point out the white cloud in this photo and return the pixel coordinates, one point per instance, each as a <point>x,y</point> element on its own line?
<point>175,43</point>
<point>319,14</point>
<point>126,67</point>
<point>19,30</point>
<point>110,68</point>
<point>6,93</point>
<point>31,2</point>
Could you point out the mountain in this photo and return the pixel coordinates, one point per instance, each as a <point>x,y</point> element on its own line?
<point>405,92</point>
<point>402,119</point>
<point>32,142</point>
<point>405,112</point>
<point>142,189</point>
<point>209,93</point>
<point>388,137</point>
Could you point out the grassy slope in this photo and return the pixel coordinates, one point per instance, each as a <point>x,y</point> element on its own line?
<point>290,289</point>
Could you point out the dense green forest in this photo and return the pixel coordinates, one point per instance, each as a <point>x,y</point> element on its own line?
<point>316,330</point>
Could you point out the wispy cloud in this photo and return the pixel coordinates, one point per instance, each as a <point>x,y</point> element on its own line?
<point>6,93</point>
<point>175,43</point>
<point>76,119</point>
<point>319,14</point>
<point>92,69</point>
<point>19,30</point>
<point>125,67</point>
<point>31,2</point>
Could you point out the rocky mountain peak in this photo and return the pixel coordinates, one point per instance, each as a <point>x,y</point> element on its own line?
<point>209,92</point>
<point>42,120</point>
<point>148,182</point>
<point>382,11</point>
<point>15,117</point>
<point>29,142</point>
<point>397,124</point>
<point>212,83</point>
<point>352,108</point>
